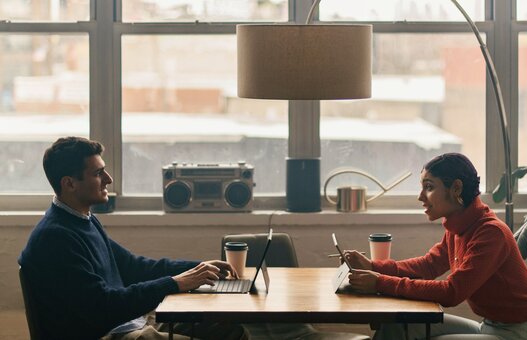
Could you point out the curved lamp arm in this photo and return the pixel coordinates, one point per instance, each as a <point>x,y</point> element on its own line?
<point>509,205</point>
<point>312,12</point>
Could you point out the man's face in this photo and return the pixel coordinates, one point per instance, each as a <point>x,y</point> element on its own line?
<point>91,189</point>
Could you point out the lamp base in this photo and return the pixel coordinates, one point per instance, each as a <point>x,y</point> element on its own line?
<point>303,185</point>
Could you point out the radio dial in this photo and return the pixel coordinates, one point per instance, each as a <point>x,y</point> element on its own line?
<point>246,174</point>
<point>168,175</point>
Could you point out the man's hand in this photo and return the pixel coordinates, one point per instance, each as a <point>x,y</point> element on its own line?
<point>363,281</point>
<point>225,269</point>
<point>358,260</point>
<point>203,273</point>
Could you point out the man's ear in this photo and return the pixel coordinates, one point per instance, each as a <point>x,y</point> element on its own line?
<point>67,184</point>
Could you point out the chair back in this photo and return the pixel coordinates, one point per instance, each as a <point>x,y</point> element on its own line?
<point>30,305</point>
<point>281,252</point>
<point>521,239</point>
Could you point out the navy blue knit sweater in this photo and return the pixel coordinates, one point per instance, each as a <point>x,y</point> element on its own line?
<point>85,283</point>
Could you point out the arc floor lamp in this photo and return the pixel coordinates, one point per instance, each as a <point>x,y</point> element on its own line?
<point>323,62</point>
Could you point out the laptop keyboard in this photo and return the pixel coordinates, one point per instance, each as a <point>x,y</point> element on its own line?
<point>231,286</point>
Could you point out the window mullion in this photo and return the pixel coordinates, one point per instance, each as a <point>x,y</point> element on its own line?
<point>103,122</point>
<point>499,44</point>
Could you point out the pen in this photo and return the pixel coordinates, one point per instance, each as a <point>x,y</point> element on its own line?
<point>338,255</point>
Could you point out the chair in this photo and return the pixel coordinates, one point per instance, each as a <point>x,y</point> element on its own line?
<point>281,253</point>
<point>33,322</point>
<point>521,239</point>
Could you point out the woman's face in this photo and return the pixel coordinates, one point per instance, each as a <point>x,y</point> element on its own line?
<point>438,200</point>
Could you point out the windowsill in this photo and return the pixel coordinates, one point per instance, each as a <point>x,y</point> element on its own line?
<point>147,211</point>
<point>261,217</point>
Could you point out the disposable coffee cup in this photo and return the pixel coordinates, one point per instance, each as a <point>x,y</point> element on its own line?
<point>380,246</point>
<point>236,255</point>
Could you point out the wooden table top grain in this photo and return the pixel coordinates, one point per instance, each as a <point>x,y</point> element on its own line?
<point>296,295</point>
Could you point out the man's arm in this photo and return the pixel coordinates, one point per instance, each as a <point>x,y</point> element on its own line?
<point>135,268</point>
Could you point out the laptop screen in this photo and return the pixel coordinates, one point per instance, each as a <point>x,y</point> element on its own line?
<point>261,265</point>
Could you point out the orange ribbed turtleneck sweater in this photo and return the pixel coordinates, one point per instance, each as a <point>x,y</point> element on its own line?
<point>485,264</point>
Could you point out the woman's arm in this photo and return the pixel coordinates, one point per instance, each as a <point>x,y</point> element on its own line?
<point>429,266</point>
<point>484,254</point>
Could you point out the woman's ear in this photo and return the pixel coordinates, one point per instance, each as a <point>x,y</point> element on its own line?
<point>457,187</point>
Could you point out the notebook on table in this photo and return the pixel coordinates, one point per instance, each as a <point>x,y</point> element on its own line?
<point>240,286</point>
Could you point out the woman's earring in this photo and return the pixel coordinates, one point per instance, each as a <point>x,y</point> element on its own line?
<point>459,200</point>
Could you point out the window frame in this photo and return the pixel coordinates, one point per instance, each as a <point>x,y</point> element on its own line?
<point>105,30</point>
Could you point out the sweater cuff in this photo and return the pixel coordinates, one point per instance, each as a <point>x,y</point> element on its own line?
<point>168,285</point>
<point>387,284</point>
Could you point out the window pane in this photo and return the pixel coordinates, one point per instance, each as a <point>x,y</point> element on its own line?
<point>180,104</point>
<point>390,10</point>
<point>428,97</point>
<point>521,9</point>
<point>522,125</point>
<point>45,10</point>
<point>204,10</point>
<point>44,94</point>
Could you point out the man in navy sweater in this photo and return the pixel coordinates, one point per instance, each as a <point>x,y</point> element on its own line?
<point>86,285</point>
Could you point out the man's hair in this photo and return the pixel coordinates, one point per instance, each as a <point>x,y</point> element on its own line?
<point>451,166</point>
<point>66,157</point>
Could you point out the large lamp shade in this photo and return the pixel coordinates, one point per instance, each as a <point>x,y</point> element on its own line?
<point>311,62</point>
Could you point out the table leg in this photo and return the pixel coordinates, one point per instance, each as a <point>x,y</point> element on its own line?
<point>428,333</point>
<point>170,331</point>
<point>406,334</point>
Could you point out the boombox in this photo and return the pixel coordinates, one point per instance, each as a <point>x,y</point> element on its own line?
<point>207,187</point>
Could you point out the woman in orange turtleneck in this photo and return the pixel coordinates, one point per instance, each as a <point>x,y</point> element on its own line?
<point>485,264</point>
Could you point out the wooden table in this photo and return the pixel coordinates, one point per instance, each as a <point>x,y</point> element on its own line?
<point>303,295</point>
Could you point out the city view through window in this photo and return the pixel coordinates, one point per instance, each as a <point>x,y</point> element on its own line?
<point>179,99</point>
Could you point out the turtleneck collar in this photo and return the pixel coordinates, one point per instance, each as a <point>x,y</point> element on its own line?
<point>461,221</point>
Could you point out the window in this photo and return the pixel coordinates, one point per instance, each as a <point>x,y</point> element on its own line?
<point>45,10</point>
<point>521,9</point>
<point>204,10</point>
<point>155,81</point>
<point>44,94</point>
<point>522,108</point>
<point>404,10</point>
<point>426,90</point>
<point>180,104</point>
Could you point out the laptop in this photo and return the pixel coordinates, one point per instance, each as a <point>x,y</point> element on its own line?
<point>240,286</point>
<point>342,271</point>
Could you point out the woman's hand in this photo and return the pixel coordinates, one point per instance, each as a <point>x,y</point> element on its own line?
<point>363,281</point>
<point>358,260</point>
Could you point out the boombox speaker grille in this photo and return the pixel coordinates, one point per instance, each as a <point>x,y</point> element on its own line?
<point>177,194</point>
<point>237,194</point>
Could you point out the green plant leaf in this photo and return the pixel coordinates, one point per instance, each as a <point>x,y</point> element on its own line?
<point>499,193</point>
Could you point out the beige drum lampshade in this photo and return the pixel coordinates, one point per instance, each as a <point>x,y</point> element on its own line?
<point>299,62</point>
